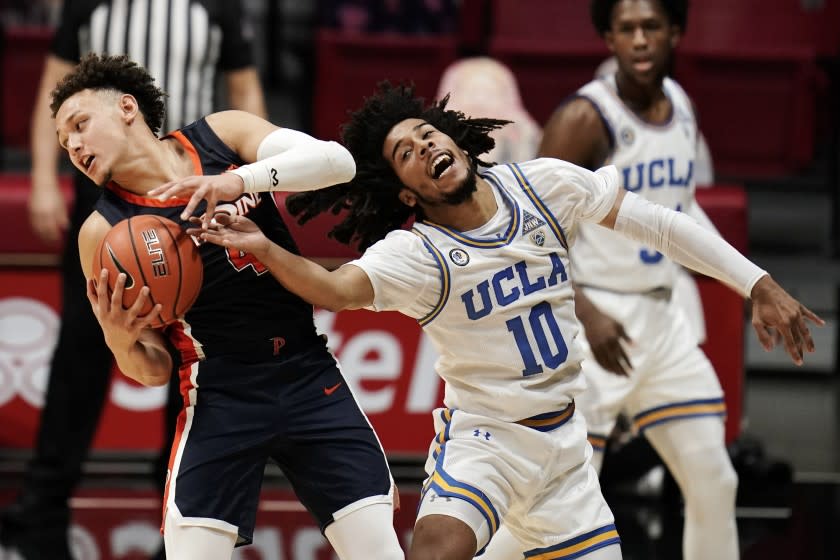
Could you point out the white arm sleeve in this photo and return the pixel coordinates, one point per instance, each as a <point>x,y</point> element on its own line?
<point>696,211</point>
<point>289,160</point>
<point>404,274</point>
<point>686,242</point>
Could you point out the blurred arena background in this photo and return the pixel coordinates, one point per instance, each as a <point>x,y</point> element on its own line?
<point>765,76</point>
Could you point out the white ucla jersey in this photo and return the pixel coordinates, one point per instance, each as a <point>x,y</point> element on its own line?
<point>654,161</point>
<point>504,322</point>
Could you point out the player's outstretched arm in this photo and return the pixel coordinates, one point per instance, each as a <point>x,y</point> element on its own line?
<point>140,351</point>
<point>283,160</point>
<point>347,287</point>
<point>689,244</point>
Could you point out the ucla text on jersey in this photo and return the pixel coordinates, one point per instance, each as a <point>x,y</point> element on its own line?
<point>509,284</point>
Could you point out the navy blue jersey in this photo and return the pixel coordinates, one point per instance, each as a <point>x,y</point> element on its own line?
<point>241,308</point>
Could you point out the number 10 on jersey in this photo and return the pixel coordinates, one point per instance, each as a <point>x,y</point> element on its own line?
<point>545,332</point>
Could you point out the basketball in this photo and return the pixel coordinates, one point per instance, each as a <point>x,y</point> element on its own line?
<point>152,251</point>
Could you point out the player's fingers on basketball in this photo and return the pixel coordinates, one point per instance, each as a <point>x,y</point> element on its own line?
<point>140,301</point>
<point>92,292</point>
<point>153,315</point>
<point>117,295</point>
<point>150,317</point>
<point>102,285</point>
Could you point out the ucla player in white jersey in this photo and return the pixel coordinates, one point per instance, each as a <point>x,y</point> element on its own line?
<point>485,270</point>
<point>643,358</point>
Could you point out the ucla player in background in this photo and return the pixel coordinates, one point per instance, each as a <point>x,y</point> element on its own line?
<point>643,358</point>
<point>485,270</point>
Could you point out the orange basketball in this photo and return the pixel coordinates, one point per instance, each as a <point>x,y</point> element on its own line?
<point>152,251</point>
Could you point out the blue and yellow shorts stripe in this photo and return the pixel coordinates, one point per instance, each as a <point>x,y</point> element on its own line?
<point>679,411</point>
<point>549,420</point>
<point>443,435</point>
<point>578,546</point>
<point>597,441</point>
<point>446,486</point>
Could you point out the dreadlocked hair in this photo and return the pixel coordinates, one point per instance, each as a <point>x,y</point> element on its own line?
<point>370,204</point>
<point>118,73</point>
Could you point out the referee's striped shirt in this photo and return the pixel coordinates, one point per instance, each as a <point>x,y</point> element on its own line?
<point>183,43</point>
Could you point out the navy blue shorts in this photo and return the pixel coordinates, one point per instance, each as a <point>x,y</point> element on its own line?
<point>298,412</point>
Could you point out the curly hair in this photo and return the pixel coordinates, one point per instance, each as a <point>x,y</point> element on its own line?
<point>118,73</point>
<point>369,203</point>
<point>600,12</point>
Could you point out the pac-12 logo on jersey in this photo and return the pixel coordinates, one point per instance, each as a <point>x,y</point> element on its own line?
<point>531,223</point>
<point>459,257</point>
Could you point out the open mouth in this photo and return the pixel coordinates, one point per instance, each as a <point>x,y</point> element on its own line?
<point>87,162</point>
<point>440,165</point>
<point>643,65</point>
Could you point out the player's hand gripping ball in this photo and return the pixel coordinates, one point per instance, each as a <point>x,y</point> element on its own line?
<point>152,251</point>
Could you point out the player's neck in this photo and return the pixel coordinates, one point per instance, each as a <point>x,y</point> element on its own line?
<point>647,101</point>
<point>152,163</point>
<point>470,214</point>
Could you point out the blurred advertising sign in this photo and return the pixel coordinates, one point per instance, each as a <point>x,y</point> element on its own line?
<point>384,356</point>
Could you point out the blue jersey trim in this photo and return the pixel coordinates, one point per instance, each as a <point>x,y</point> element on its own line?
<point>445,281</point>
<point>539,205</point>
<point>495,243</point>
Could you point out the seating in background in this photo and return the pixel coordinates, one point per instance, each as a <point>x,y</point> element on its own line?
<point>549,45</point>
<point>752,68</point>
<point>24,50</point>
<point>349,66</point>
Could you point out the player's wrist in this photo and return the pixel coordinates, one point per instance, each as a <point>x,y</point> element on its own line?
<point>246,177</point>
<point>762,287</point>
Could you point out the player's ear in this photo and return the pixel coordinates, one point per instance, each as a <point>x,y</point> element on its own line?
<point>609,39</point>
<point>676,36</point>
<point>129,107</point>
<point>408,198</point>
